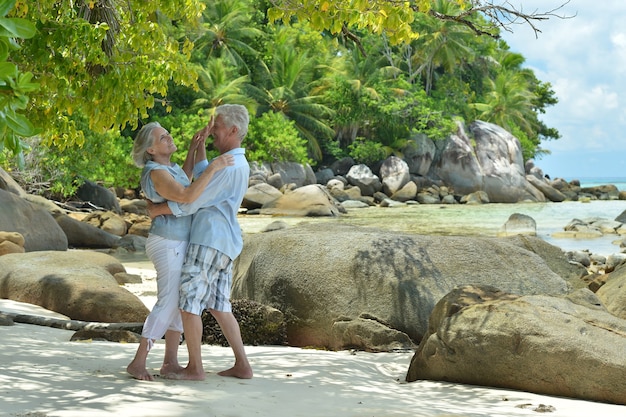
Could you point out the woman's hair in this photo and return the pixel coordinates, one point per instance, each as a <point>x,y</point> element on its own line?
<point>143,141</point>
<point>235,115</point>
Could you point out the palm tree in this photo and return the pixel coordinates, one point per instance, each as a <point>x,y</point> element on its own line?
<point>287,86</point>
<point>355,79</point>
<point>509,102</point>
<point>218,85</point>
<point>443,45</point>
<point>227,32</point>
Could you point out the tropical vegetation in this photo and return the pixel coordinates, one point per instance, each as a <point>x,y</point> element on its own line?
<point>322,80</point>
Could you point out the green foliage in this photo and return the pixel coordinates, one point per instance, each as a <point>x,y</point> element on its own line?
<point>272,138</point>
<point>367,152</point>
<point>108,61</point>
<point>15,84</point>
<point>105,67</point>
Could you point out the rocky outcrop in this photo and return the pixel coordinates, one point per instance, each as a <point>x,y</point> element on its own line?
<point>85,235</point>
<point>321,274</point>
<point>11,242</point>
<point>310,200</point>
<point>78,284</point>
<point>613,292</point>
<point>562,346</point>
<point>35,224</point>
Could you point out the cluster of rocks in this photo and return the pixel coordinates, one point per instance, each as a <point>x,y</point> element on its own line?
<point>479,164</point>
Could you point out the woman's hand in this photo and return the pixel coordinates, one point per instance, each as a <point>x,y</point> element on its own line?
<point>199,139</point>
<point>218,163</point>
<point>223,161</point>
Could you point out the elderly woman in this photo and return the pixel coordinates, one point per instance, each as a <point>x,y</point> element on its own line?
<point>162,180</point>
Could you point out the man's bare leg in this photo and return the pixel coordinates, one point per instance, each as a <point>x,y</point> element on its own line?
<point>170,360</point>
<point>137,368</point>
<point>192,327</point>
<point>230,327</point>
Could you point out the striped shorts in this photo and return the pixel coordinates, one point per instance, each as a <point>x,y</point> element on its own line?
<point>206,279</point>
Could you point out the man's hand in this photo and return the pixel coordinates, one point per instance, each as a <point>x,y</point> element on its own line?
<point>155,210</point>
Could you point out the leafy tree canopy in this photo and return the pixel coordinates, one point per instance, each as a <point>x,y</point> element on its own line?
<point>393,18</point>
<point>107,60</point>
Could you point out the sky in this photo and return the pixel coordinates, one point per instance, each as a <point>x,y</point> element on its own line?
<point>584,59</point>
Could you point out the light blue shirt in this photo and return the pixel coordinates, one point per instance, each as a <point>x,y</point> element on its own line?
<point>168,227</point>
<point>214,221</point>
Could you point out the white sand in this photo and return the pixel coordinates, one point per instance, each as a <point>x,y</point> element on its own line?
<point>42,374</point>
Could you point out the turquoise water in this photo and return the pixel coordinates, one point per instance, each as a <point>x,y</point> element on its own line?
<point>619,182</point>
<point>473,220</point>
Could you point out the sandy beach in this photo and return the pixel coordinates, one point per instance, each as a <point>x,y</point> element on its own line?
<point>44,374</point>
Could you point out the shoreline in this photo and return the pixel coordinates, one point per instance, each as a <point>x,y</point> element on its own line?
<point>46,375</point>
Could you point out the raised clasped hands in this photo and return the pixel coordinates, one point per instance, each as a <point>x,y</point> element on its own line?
<point>200,137</point>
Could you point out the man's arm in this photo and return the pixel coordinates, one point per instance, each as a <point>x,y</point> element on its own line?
<point>160,209</point>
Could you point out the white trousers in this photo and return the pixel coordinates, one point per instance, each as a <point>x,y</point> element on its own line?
<point>167,257</point>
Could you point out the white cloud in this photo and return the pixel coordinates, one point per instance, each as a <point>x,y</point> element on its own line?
<point>584,59</point>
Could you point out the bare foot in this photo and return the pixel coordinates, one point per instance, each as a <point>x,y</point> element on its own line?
<point>139,372</point>
<point>242,372</point>
<point>170,368</point>
<point>186,375</point>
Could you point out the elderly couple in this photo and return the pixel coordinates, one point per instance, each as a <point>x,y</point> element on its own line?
<point>193,240</point>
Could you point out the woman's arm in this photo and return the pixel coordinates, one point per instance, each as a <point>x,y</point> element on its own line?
<point>197,148</point>
<point>172,190</point>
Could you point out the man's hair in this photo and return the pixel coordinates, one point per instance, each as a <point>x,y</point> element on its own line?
<point>235,115</point>
<point>143,141</point>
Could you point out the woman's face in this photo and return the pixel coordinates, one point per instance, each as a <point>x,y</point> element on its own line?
<point>162,143</point>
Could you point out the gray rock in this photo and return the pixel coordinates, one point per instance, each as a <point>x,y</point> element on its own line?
<point>361,176</point>
<point>77,284</point>
<point>519,224</point>
<point>419,154</point>
<point>548,345</point>
<point>317,273</point>
<point>292,172</point>
<point>258,195</point>
<point>36,225</point>
<point>310,200</point>
<point>99,196</point>
<point>546,189</point>
<point>613,293</point>
<point>394,173</point>
<point>84,235</point>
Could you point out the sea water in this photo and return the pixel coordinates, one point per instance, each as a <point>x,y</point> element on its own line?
<point>478,220</point>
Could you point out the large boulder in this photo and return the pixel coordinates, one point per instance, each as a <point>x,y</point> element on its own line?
<point>35,224</point>
<point>488,158</point>
<point>83,235</point>
<point>78,284</point>
<point>548,345</point>
<point>613,292</point>
<point>499,154</point>
<point>319,274</point>
<point>99,196</point>
<point>419,154</point>
<point>311,200</point>
<point>362,176</point>
<point>260,194</point>
<point>294,173</point>
<point>394,173</point>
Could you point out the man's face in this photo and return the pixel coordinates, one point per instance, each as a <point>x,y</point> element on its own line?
<point>224,138</point>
